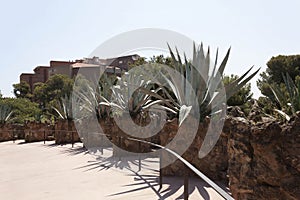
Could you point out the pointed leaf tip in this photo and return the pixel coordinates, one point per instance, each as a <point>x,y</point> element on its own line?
<point>183,113</point>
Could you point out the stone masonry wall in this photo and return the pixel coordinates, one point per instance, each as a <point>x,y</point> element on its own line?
<point>264,159</point>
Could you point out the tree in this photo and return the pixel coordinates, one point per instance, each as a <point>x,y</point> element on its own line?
<point>58,86</point>
<point>160,59</point>
<point>280,84</point>
<point>138,62</point>
<point>276,67</point>
<point>39,93</point>
<point>54,89</point>
<point>22,90</point>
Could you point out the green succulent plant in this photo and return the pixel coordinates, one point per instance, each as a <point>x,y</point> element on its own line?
<point>63,108</point>
<point>205,80</point>
<point>132,93</point>
<point>5,113</point>
<point>289,102</point>
<point>92,98</point>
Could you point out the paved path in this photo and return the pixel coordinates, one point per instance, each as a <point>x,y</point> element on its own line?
<point>38,171</point>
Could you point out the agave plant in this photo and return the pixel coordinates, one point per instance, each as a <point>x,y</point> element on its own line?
<point>64,108</point>
<point>197,77</point>
<point>88,98</point>
<point>5,113</point>
<point>103,92</point>
<point>133,93</point>
<point>290,103</point>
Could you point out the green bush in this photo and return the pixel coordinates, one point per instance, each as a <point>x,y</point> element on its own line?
<point>23,109</point>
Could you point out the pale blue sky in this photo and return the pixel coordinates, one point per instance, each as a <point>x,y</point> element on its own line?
<point>35,32</point>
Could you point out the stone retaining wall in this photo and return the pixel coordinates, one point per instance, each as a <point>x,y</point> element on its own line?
<point>264,159</point>
<point>11,131</point>
<point>214,165</point>
<point>35,132</point>
<point>65,132</point>
<point>258,160</point>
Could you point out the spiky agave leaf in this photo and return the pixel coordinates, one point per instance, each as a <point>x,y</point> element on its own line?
<point>59,112</point>
<point>293,90</point>
<point>279,95</point>
<point>236,85</point>
<point>183,113</point>
<point>283,114</point>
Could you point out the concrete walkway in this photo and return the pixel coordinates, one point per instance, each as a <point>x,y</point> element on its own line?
<point>38,171</point>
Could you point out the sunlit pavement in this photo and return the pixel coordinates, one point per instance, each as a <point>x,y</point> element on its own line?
<point>47,171</point>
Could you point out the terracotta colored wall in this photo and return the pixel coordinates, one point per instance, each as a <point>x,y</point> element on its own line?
<point>41,75</point>
<point>60,67</point>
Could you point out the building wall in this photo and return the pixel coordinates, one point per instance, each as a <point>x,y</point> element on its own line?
<point>122,62</point>
<point>41,75</point>
<point>61,67</point>
<point>28,79</point>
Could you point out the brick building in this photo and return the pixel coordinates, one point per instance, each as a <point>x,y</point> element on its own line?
<point>122,62</point>
<point>61,67</point>
<point>41,74</point>
<point>70,68</point>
